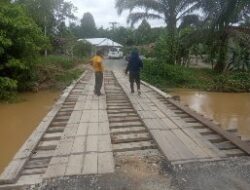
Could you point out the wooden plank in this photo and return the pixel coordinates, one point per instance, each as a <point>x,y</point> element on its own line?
<point>126,138</point>
<point>79,145</point>
<point>42,154</point>
<point>234,152</point>
<point>191,145</point>
<point>214,138</point>
<point>27,180</point>
<point>75,165</point>
<point>169,123</point>
<point>106,163</point>
<point>52,136</point>
<point>64,147</point>
<point>102,116</point>
<point>90,164</point>
<point>85,116</point>
<point>75,117</point>
<point>40,163</point>
<point>126,124</point>
<point>70,130</point>
<point>54,171</point>
<point>93,128</point>
<point>103,129</point>
<point>82,129</point>
<point>34,171</point>
<point>169,151</point>
<point>118,115</point>
<point>127,130</point>
<point>207,146</point>
<point>225,145</point>
<point>124,119</point>
<point>104,143</point>
<point>59,160</point>
<point>147,114</point>
<point>235,140</point>
<point>47,145</point>
<point>124,147</point>
<point>92,143</point>
<point>155,124</point>
<point>178,145</point>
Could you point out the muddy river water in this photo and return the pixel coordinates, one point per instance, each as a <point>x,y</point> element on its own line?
<point>231,110</point>
<point>17,121</point>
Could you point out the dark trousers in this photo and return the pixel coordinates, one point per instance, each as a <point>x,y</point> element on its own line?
<point>98,82</point>
<point>134,77</point>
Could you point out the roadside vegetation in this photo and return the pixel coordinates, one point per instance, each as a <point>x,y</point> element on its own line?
<point>218,38</point>
<point>36,48</point>
<point>167,76</point>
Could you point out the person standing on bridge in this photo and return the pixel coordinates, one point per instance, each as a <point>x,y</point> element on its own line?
<point>97,64</point>
<point>134,67</point>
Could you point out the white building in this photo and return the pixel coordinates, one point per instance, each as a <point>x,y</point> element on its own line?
<point>101,44</point>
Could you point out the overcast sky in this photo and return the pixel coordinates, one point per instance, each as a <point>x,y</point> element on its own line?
<point>104,12</point>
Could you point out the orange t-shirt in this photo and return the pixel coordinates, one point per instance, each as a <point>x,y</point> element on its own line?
<point>97,63</point>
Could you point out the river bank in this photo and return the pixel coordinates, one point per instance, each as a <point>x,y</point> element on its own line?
<point>54,72</point>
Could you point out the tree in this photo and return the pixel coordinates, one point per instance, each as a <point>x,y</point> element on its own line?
<point>21,40</point>
<point>171,11</point>
<point>220,14</point>
<point>49,14</point>
<point>88,26</point>
<point>143,33</point>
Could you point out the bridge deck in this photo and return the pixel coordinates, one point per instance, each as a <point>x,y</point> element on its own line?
<point>83,146</point>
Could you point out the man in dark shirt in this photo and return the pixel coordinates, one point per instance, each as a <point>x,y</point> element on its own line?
<point>134,67</point>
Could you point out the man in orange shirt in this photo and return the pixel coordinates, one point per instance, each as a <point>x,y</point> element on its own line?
<point>97,64</point>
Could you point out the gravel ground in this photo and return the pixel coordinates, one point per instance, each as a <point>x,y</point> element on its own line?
<point>233,174</point>
<point>134,173</point>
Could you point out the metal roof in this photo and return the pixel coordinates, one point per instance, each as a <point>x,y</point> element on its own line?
<point>100,42</point>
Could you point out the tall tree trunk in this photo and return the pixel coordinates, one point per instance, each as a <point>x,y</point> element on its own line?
<point>221,63</point>
<point>172,38</point>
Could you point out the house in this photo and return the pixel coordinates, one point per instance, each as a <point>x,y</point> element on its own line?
<point>104,44</point>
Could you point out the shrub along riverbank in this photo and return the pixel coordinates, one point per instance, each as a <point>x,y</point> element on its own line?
<point>52,72</point>
<point>173,76</point>
<point>57,72</point>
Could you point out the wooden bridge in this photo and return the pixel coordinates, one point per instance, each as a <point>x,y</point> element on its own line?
<point>82,132</point>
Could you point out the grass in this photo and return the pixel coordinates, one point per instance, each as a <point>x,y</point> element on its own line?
<point>173,76</point>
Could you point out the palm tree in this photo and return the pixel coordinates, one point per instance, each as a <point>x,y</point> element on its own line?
<point>220,14</point>
<point>171,11</point>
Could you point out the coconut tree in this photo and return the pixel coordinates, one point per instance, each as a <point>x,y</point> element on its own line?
<point>171,11</point>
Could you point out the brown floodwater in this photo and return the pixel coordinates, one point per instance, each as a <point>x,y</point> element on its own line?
<point>18,120</point>
<point>231,110</point>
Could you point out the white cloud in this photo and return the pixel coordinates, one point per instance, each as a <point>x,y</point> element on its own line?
<point>104,12</point>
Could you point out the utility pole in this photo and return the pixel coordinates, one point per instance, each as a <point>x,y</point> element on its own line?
<point>113,24</point>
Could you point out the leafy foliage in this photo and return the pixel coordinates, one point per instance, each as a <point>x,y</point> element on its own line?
<point>8,87</point>
<point>21,41</point>
<point>169,76</point>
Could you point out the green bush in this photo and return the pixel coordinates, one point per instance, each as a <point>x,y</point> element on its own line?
<point>21,41</point>
<point>56,71</point>
<point>8,88</point>
<point>173,75</point>
<point>169,76</point>
<point>82,50</point>
<point>60,61</point>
